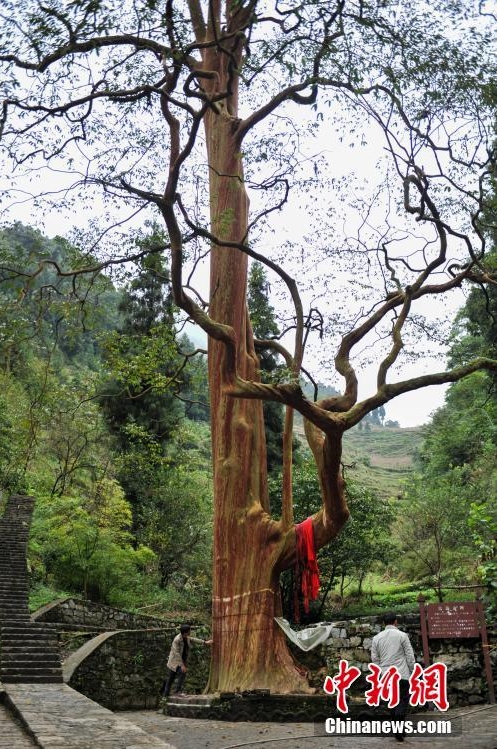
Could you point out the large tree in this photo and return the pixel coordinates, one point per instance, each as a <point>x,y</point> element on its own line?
<point>186,107</point>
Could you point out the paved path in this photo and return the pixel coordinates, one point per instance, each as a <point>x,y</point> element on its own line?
<point>12,734</point>
<point>479,732</point>
<point>60,718</point>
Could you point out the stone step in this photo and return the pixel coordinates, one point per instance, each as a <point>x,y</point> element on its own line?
<point>33,670</point>
<point>17,569</point>
<point>10,601</point>
<point>12,551</point>
<point>30,656</point>
<point>42,643</point>
<point>24,638</point>
<point>190,699</point>
<point>187,709</point>
<point>20,667</point>
<point>17,586</point>
<point>32,679</point>
<point>14,599</point>
<point>24,669</point>
<point>28,625</point>
<point>29,650</point>
<point>15,619</point>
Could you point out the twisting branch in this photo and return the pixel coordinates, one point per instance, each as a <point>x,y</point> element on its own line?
<point>286,278</point>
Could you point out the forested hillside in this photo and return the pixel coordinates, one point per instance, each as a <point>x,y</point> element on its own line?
<point>104,418</point>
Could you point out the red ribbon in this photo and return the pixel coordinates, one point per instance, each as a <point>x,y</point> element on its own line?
<point>307,580</point>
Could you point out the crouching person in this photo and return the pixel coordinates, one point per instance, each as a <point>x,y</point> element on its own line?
<point>177,661</point>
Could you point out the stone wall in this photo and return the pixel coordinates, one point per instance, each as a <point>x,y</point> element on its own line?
<point>352,640</point>
<point>125,670</point>
<point>78,613</point>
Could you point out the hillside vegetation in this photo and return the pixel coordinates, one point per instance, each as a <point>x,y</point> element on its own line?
<point>380,459</point>
<point>104,418</point>
<point>383,458</point>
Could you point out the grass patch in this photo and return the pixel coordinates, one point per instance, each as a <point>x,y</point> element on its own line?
<point>380,595</point>
<point>40,595</point>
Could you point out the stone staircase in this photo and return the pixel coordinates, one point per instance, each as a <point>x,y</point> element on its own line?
<point>28,650</point>
<point>189,706</point>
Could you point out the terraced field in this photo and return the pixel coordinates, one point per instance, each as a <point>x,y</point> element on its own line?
<point>382,458</point>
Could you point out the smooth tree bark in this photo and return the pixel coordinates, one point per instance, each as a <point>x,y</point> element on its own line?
<point>195,84</point>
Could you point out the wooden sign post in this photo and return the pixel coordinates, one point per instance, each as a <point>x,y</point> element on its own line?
<point>455,620</point>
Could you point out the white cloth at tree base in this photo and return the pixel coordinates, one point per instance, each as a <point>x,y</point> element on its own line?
<point>308,638</point>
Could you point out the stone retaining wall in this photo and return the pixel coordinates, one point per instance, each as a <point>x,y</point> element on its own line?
<point>125,669</point>
<point>73,611</point>
<point>352,640</point>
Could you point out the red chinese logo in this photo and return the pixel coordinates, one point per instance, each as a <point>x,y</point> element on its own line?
<point>385,686</point>
<point>340,683</point>
<point>425,685</point>
<point>429,685</point>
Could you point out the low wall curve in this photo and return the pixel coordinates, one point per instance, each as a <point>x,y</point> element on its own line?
<point>125,669</point>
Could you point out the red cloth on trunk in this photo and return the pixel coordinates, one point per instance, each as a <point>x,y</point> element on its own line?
<point>307,580</point>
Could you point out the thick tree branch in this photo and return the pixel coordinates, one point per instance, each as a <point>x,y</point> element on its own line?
<point>390,391</point>
<point>75,48</point>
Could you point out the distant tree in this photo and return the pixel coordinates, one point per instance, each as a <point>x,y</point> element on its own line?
<point>194,388</point>
<point>454,497</point>
<point>143,359</point>
<point>434,531</point>
<point>265,328</point>
<point>84,545</point>
<point>54,315</point>
<point>176,518</point>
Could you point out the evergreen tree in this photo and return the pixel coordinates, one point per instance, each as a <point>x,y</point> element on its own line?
<point>456,489</point>
<point>143,358</point>
<point>265,327</point>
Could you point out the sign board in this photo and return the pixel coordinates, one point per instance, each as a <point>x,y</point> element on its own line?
<point>456,619</point>
<point>452,620</point>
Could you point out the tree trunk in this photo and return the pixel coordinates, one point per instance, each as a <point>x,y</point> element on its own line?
<point>249,649</point>
<point>250,549</point>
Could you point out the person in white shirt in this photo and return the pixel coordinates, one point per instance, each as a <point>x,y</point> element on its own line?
<point>391,647</point>
<point>177,661</point>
